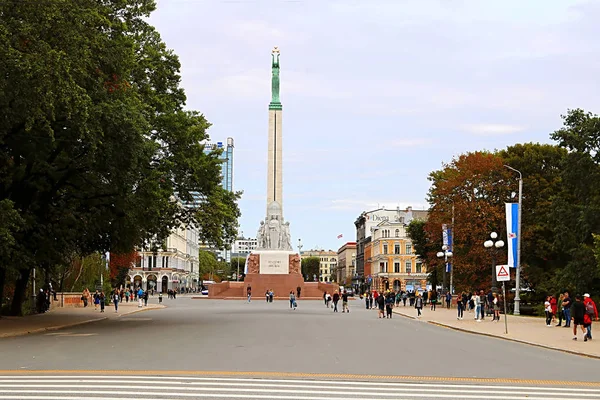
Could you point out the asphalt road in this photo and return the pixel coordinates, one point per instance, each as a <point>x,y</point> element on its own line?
<point>233,336</point>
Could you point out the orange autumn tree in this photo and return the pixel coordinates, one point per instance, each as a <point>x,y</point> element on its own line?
<point>119,266</point>
<point>477,185</point>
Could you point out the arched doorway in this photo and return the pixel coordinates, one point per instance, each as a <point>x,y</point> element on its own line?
<point>137,282</point>
<point>151,282</point>
<point>397,285</point>
<point>165,284</point>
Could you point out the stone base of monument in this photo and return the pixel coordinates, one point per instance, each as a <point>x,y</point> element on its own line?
<point>274,270</point>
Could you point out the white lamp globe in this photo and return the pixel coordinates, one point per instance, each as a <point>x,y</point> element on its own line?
<point>493,235</point>
<point>499,244</point>
<point>488,244</point>
<point>440,254</point>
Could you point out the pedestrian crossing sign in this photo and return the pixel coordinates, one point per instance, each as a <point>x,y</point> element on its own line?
<point>502,273</point>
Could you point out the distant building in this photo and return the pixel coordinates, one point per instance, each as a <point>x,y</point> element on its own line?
<point>346,263</point>
<point>367,222</point>
<point>226,158</point>
<point>327,263</point>
<point>173,266</point>
<point>244,246</point>
<point>394,264</point>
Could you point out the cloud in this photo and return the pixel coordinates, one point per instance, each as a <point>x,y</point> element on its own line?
<point>492,129</point>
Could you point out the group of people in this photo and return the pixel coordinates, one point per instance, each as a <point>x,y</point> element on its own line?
<point>581,310</point>
<point>332,301</point>
<point>478,302</point>
<point>117,296</point>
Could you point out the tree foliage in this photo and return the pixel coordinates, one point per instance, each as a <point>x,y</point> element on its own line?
<point>97,152</point>
<point>310,267</point>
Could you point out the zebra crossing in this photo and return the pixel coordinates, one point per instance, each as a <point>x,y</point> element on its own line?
<point>129,387</point>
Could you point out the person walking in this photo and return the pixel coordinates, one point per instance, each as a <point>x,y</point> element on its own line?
<point>460,306</point>
<point>336,298</point>
<point>116,299</point>
<point>292,300</point>
<point>367,300</point>
<point>345,302</point>
<point>554,306</point>
<point>249,293</point>
<point>389,304</point>
<point>591,313</point>
<point>325,299</point>
<point>578,311</point>
<point>433,299</point>
<point>381,306</point>
<point>96,300</point>
<point>478,305</point>
<point>102,300</point>
<point>566,304</point>
<point>419,304</point>
<point>298,291</point>
<point>85,297</point>
<point>449,299</point>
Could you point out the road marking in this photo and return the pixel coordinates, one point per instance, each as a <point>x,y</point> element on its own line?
<point>384,386</point>
<point>135,319</point>
<point>103,387</point>
<point>364,377</point>
<point>70,334</point>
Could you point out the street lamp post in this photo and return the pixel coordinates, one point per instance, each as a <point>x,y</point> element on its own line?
<point>517,310</point>
<point>237,277</point>
<point>445,253</point>
<point>493,246</point>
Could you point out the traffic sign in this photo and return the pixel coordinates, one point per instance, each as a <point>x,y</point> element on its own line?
<point>502,273</point>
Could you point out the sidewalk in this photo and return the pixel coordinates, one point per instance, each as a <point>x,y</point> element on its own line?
<point>529,330</point>
<point>59,318</point>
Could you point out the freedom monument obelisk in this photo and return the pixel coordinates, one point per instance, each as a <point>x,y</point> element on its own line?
<point>273,265</point>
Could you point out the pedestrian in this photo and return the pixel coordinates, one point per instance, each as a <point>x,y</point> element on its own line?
<point>127,294</point>
<point>380,306</point>
<point>460,306</point>
<point>578,311</point>
<point>271,295</point>
<point>102,299</point>
<point>433,296</point>
<point>146,294</point>
<point>85,296</point>
<point>140,297</point>
<point>449,299</point>
<point>249,293</point>
<point>496,305</point>
<point>298,290</point>
<point>554,306</point>
<point>548,311</point>
<point>566,305</point>
<point>404,296</point>
<point>591,313</point>
<point>96,300</point>
<point>478,304</point>
<point>560,309</point>
<point>389,303</point>
<point>345,302</point>
<point>419,304</point>
<point>367,300</point>
<point>336,298</point>
<point>116,299</point>
<point>292,300</point>
<point>325,299</point>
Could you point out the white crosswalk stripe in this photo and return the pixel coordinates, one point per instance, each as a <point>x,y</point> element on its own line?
<point>99,387</point>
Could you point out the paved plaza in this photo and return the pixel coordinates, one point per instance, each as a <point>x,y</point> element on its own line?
<point>234,349</point>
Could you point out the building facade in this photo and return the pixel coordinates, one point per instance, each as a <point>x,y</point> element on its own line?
<point>244,246</point>
<point>365,225</point>
<point>173,266</point>
<point>327,263</point>
<point>226,157</point>
<point>346,263</point>
<point>395,266</point>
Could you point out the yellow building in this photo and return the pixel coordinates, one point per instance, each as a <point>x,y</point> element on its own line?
<point>393,262</point>
<point>327,263</point>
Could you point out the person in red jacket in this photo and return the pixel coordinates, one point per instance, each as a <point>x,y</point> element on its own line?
<point>591,312</point>
<point>554,308</point>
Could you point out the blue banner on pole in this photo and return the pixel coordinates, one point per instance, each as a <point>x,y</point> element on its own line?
<point>447,241</point>
<point>512,231</point>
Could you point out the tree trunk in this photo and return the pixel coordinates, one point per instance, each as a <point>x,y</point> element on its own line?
<point>2,280</point>
<point>20,287</point>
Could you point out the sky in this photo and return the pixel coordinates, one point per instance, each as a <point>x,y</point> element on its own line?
<point>377,94</point>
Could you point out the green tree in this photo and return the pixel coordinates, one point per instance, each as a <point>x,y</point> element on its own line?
<point>233,265</point>
<point>541,166</point>
<point>208,264</point>
<point>577,205</point>
<point>97,152</point>
<point>310,267</point>
<point>426,248</point>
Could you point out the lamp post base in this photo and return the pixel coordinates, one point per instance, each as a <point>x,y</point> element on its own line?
<point>517,310</point>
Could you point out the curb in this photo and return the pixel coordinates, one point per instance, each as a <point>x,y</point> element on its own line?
<point>509,339</point>
<point>59,327</point>
<point>51,328</point>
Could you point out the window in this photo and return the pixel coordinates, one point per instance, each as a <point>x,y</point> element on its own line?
<point>397,267</point>
<point>397,232</point>
<point>396,248</point>
<point>408,267</point>
<point>385,248</point>
<point>419,267</point>
<point>408,249</point>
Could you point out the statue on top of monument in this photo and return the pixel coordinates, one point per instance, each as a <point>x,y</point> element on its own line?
<point>274,234</point>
